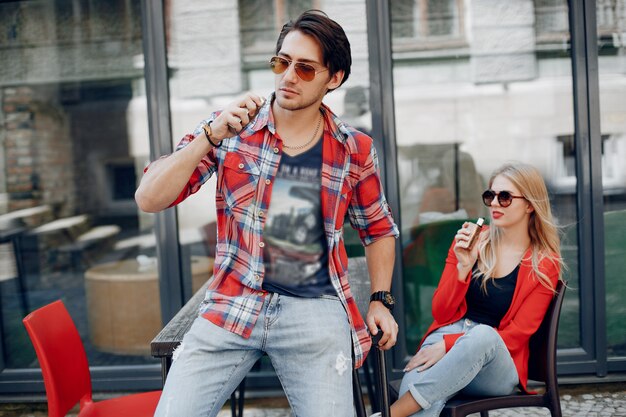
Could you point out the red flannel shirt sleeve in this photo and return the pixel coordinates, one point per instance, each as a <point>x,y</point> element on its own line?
<point>205,169</point>
<point>369,212</point>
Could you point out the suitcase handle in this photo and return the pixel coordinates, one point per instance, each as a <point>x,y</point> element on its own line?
<point>381,376</point>
<point>376,338</point>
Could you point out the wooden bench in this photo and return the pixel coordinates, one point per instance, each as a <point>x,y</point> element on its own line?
<point>72,238</point>
<point>78,250</point>
<point>163,345</point>
<point>123,307</point>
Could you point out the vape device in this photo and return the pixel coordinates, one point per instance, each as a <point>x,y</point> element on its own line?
<point>475,233</point>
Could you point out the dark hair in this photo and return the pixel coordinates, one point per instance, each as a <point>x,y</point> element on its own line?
<point>330,36</point>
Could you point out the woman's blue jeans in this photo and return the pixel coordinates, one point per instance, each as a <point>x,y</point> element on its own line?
<point>478,364</point>
<point>307,339</point>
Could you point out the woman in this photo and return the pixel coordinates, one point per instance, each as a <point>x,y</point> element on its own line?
<point>489,301</point>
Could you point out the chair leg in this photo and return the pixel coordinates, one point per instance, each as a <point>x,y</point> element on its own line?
<point>237,399</point>
<point>357,393</point>
<point>233,404</point>
<point>554,404</point>
<point>555,409</point>
<point>242,396</point>
<point>371,392</point>
<point>484,414</point>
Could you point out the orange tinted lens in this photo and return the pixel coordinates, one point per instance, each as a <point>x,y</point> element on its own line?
<point>278,65</point>
<point>305,71</point>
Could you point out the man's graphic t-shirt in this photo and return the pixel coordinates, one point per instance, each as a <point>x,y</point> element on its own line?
<point>296,252</point>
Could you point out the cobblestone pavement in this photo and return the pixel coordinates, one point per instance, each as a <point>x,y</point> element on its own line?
<point>584,401</point>
<point>606,400</point>
<point>588,405</point>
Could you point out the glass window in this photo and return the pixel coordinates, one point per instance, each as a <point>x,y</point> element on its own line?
<point>73,144</point>
<point>427,24</point>
<point>460,113</point>
<point>261,20</point>
<point>612,67</point>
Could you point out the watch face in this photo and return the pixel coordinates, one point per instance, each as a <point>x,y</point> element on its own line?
<point>389,299</point>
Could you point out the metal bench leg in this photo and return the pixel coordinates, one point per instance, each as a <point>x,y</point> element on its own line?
<point>166,363</point>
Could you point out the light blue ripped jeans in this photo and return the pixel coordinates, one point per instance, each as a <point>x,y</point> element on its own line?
<point>478,364</point>
<point>307,339</point>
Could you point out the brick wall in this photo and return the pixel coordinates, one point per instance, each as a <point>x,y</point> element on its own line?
<point>37,150</point>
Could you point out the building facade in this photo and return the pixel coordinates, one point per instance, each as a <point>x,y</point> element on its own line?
<point>92,90</point>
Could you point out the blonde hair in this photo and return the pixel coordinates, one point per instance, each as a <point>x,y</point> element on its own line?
<point>543,232</point>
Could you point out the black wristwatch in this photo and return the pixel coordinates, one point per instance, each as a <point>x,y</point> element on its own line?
<point>384,297</point>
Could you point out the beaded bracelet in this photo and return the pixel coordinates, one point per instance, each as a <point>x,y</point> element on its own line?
<point>207,133</point>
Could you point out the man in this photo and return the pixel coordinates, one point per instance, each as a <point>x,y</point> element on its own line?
<point>284,185</point>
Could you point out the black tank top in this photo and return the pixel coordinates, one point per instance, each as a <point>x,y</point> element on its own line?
<point>489,308</point>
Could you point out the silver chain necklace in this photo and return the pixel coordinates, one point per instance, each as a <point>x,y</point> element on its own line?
<point>319,123</point>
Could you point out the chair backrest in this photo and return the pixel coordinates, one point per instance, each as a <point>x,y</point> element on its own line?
<point>542,359</point>
<point>61,356</point>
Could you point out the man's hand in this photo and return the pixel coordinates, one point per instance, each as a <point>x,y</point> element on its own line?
<point>427,357</point>
<point>235,116</point>
<point>379,316</point>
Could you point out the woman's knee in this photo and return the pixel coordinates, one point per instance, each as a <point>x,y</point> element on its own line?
<point>484,336</point>
<point>485,332</point>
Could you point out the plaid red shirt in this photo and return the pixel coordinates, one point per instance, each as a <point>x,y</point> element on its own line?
<point>246,166</point>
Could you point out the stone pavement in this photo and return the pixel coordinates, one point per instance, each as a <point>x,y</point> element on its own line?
<point>594,400</point>
<point>598,400</point>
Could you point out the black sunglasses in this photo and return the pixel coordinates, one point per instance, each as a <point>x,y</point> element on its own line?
<point>306,72</point>
<point>505,198</point>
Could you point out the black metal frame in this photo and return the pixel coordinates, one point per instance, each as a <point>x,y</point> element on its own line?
<point>588,142</point>
<point>159,123</point>
<point>382,105</point>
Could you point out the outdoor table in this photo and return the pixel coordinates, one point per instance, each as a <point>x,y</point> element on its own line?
<point>12,238</point>
<point>30,217</point>
<point>163,345</point>
<point>124,311</point>
<point>12,268</point>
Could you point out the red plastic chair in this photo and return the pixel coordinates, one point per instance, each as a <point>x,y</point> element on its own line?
<point>66,372</point>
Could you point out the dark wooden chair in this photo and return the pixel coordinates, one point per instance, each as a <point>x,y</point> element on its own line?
<point>541,368</point>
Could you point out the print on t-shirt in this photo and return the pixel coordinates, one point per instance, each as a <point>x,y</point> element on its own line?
<point>295,247</point>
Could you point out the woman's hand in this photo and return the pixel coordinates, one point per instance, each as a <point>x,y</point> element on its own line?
<point>426,357</point>
<point>466,258</point>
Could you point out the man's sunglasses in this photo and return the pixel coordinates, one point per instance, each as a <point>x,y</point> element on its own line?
<point>505,198</point>
<point>306,72</point>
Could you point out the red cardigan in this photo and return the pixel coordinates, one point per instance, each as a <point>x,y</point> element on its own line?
<point>528,307</point>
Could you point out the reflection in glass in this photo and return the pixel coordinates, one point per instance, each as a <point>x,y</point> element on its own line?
<point>70,78</point>
<point>475,86</point>
<point>612,66</point>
